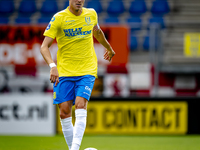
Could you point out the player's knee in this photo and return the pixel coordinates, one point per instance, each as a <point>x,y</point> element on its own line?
<point>65,114</point>
<point>81,105</point>
<point>62,115</point>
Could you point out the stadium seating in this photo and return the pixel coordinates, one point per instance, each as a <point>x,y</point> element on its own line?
<point>133,16</point>
<point>66,4</point>
<point>133,43</point>
<point>115,8</point>
<point>137,7</point>
<point>4,20</point>
<point>27,7</point>
<point>44,20</point>
<point>135,23</point>
<point>146,43</point>
<point>23,20</point>
<point>111,20</point>
<point>6,7</point>
<point>49,7</point>
<point>96,5</point>
<point>157,20</point>
<point>160,7</point>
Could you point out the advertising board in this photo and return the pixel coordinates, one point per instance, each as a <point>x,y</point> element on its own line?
<point>138,117</point>
<point>27,114</point>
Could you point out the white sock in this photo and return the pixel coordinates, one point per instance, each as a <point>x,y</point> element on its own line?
<point>79,128</point>
<point>67,128</point>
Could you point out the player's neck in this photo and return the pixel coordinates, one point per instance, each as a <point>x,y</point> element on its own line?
<point>75,12</point>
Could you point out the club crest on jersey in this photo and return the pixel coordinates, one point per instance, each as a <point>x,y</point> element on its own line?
<point>87,20</point>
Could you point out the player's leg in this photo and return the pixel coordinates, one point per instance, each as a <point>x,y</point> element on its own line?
<point>64,97</point>
<point>66,121</point>
<point>83,91</point>
<point>80,122</point>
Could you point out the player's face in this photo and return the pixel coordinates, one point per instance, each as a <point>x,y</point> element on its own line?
<point>76,4</point>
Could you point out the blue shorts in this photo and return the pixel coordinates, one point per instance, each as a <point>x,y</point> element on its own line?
<point>69,88</point>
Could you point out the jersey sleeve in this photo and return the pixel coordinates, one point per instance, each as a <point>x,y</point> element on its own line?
<point>96,17</point>
<point>96,25</point>
<point>52,28</point>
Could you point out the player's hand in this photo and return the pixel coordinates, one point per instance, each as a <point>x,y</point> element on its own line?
<point>54,76</point>
<point>109,54</point>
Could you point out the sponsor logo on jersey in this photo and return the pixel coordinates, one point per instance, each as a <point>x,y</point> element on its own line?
<point>70,21</point>
<point>76,32</point>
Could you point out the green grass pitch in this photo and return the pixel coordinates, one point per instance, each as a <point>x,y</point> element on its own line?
<point>102,142</point>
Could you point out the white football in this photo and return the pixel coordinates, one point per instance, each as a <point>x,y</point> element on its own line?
<point>90,148</point>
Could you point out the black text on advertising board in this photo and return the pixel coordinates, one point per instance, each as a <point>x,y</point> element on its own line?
<point>137,117</point>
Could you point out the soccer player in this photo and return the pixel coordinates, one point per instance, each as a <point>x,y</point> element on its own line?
<point>76,69</point>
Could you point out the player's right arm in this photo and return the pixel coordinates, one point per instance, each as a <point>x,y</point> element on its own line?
<point>54,76</point>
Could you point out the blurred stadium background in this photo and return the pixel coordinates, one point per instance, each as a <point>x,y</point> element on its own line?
<point>152,85</point>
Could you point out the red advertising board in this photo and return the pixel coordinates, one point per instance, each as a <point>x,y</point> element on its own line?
<point>20,45</point>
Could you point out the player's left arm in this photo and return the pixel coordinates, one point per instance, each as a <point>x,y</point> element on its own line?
<point>99,35</point>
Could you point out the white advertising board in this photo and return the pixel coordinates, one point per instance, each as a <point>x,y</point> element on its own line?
<point>27,114</point>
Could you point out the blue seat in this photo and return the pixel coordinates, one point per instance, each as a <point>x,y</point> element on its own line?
<point>115,7</point>
<point>96,5</point>
<point>66,4</point>
<point>160,7</point>
<point>158,21</point>
<point>146,43</point>
<point>133,43</point>
<point>111,20</point>
<point>27,7</point>
<point>135,23</point>
<point>137,7</point>
<point>6,7</point>
<point>4,20</point>
<point>44,20</point>
<point>22,20</point>
<point>49,7</point>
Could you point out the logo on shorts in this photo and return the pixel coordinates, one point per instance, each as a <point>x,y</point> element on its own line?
<point>88,89</point>
<point>54,95</point>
